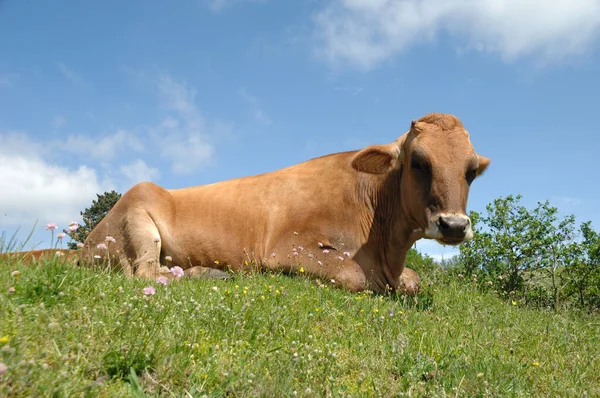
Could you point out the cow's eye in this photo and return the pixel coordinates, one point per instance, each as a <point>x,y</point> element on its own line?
<point>416,165</point>
<point>470,176</point>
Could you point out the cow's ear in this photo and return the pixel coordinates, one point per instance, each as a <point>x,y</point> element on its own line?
<point>483,164</point>
<point>376,159</point>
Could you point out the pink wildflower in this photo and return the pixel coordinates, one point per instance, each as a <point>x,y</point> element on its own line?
<point>101,246</point>
<point>340,258</point>
<point>500,277</point>
<point>97,257</point>
<point>320,262</point>
<point>301,248</point>
<point>80,245</point>
<point>320,244</point>
<point>60,235</point>
<point>149,290</point>
<point>162,279</point>
<point>177,271</point>
<point>51,226</point>
<point>326,251</point>
<point>310,255</point>
<point>273,254</point>
<point>295,253</point>
<point>73,226</point>
<point>347,254</point>
<point>110,239</point>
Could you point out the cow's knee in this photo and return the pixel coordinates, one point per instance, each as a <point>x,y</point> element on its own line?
<point>351,278</point>
<point>410,282</point>
<point>205,273</point>
<point>149,269</point>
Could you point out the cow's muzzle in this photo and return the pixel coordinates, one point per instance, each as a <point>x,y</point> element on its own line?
<point>449,228</point>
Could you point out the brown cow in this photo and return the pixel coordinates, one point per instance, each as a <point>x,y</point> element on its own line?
<point>36,256</point>
<point>348,217</point>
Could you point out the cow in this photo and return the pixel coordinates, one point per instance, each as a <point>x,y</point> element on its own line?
<point>348,218</point>
<point>42,255</point>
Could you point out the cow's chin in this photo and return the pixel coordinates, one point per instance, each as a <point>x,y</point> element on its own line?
<point>450,242</point>
<point>435,234</point>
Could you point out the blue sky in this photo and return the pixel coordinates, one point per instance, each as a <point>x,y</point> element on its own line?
<point>99,96</point>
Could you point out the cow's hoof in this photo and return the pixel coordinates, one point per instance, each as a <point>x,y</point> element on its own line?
<point>206,273</point>
<point>215,274</point>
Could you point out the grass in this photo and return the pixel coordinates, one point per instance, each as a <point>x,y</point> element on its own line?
<point>68,331</point>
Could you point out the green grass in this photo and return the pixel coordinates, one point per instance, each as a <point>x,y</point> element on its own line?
<point>68,331</point>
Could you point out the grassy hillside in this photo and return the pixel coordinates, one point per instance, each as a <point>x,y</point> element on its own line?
<point>66,331</point>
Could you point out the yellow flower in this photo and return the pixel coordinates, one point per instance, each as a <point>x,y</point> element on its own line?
<point>276,291</point>
<point>375,310</point>
<point>4,339</point>
<point>262,297</point>
<point>246,262</point>
<point>217,262</point>
<point>514,303</point>
<point>301,269</point>
<point>536,363</point>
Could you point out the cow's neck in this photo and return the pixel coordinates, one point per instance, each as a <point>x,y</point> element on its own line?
<point>393,228</point>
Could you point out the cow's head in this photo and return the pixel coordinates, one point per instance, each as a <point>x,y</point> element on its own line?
<point>436,164</point>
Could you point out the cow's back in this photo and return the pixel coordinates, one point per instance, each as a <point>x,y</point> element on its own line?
<point>242,218</point>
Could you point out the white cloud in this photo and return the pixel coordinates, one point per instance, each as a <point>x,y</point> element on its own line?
<point>103,148</point>
<point>17,143</point>
<point>184,137</point>
<point>256,109</point>
<point>33,189</point>
<point>366,33</point>
<point>187,154</point>
<point>139,171</point>
<point>70,74</point>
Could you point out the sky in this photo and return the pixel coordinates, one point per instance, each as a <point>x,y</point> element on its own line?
<point>96,96</point>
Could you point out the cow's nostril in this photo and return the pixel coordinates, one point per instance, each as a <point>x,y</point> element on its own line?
<point>453,226</point>
<point>444,226</point>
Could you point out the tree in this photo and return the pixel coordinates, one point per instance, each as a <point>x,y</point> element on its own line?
<point>583,271</point>
<point>504,251</point>
<point>553,241</point>
<point>521,252</point>
<point>93,215</point>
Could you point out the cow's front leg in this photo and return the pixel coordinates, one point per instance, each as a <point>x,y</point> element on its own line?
<point>205,273</point>
<point>347,275</point>
<point>410,282</point>
<point>351,277</point>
